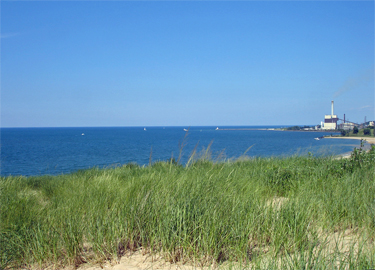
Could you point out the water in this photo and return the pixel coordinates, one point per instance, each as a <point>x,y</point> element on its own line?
<point>39,151</point>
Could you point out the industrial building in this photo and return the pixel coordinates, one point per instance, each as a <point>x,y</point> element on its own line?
<point>330,123</point>
<point>347,125</point>
<point>330,120</point>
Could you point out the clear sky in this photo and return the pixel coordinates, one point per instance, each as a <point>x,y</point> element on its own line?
<point>124,63</point>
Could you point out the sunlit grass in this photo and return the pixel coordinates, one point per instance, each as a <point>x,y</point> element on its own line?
<point>264,213</point>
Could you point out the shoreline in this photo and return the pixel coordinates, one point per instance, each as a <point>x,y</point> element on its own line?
<point>369,140</point>
<point>246,129</point>
<point>273,129</point>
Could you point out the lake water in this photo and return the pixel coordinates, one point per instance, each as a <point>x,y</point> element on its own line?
<point>39,151</point>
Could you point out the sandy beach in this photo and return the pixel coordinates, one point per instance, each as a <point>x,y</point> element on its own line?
<point>370,140</point>
<point>139,261</point>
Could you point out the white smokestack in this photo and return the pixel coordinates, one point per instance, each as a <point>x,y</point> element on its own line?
<point>332,108</point>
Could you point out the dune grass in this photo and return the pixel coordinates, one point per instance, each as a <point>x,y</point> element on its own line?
<point>262,213</point>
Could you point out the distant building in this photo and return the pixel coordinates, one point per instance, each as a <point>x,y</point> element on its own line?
<point>330,121</point>
<point>347,126</point>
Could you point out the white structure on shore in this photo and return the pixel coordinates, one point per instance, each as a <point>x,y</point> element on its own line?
<point>330,121</point>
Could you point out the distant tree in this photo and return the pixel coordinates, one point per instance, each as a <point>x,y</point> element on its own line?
<point>343,132</point>
<point>367,131</point>
<point>355,130</point>
<point>294,128</point>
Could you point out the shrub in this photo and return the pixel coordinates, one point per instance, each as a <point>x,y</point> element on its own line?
<point>355,130</point>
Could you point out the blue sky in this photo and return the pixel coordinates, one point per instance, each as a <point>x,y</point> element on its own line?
<point>123,63</point>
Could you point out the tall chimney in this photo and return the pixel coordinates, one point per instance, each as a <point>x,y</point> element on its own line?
<point>332,108</point>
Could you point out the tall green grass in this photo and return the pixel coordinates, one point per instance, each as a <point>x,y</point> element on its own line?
<point>264,213</point>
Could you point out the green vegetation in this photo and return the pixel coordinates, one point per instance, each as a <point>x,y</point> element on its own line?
<point>298,128</point>
<point>369,131</point>
<point>344,132</point>
<point>267,213</point>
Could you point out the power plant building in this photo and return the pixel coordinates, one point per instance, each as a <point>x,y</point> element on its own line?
<point>330,121</point>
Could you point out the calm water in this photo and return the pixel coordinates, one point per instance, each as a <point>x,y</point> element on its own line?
<point>38,151</point>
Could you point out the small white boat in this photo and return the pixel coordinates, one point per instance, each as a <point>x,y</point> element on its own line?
<point>217,128</point>
<point>144,129</point>
<point>185,129</point>
<point>83,134</point>
<point>317,139</point>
